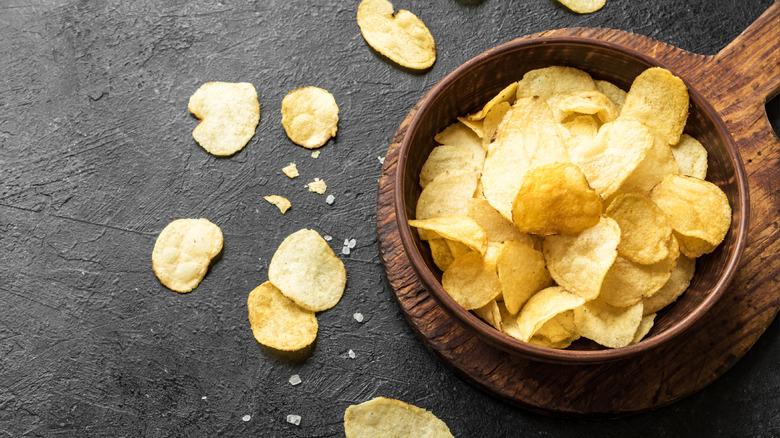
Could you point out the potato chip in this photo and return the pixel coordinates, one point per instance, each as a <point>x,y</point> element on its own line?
<point>542,307</point>
<point>658,163</point>
<point>615,93</point>
<point>678,283</point>
<point>400,36</point>
<point>492,121</point>
<point>644,229</point>
<point>440,253</point>
<point>579,262</point>
<point>282,203</point>
<point>471,280</point>
<point>691,157</point>
<point>291,170</point>
<point>555,199</point>
<point>554,83</point>
<point>627,283</point>
<point>444,158</point>
<point>457,248</point>
<point>498,229</point>
<point>447,195</point>
<point>522,273</point>
<point>384,417</point>
<point>228,113</point>
<point>583,6</point>
<point>644,327</point>
<point>508,321</point>
<point>592,102</point>
<point>658,99</point>
<point>698,211</point>
<point>306,271</point>
<point>554,334</point>
<point>491,314</point>
<point>183,251</point>
<point>461,229</point>
<point>317,186</point>
<point>474,125</point>
<point>582,127</point>
<point>458,134</point>
<point>278,322</point>
<point>508,94</point>
<point>610,326</point>
<point>310,116</point>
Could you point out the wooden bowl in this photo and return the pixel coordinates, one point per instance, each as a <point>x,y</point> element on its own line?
<point>474,83</point>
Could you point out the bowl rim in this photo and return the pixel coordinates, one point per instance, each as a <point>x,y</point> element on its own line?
<point>531,351</point>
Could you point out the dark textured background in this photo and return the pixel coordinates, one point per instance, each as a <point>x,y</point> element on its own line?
<point>96,157</point>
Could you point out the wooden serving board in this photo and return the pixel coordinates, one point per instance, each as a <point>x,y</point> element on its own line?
<point>737,82</point>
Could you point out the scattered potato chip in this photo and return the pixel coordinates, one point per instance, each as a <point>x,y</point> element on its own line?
<point>471,280</point>
<point>183,251</point>
<point>626,282</point>
<point>658,163</point>
<point>584,6</point>
<point>291,170</point>
<point>678,283</point>
<point>228,113</point>
<point>554,83</point>
<point>444,158</point>
<point>461,229</point>
<point>384,417</point>
<point>310,116</point>
<point>615,93</point>
<point>592,102</point>
<point>610,326</point>
<point>691,157</point>
<point>317,186</point>
<point>400,36</point>
<point>698,211</point>
<point>278,322</point>
<point>508,94</point>
<point>542,307</point>
<point>580,262</point>
<point>555,199</point>
<point>282,203</point>
<point>522,273</point>
<point>306,271</point>
<point>474,125</point>
<point>491,314</point>
<point>492,121</point>
<point>658,99</point>
<point>644,327</point>
<point>645,231</point>
<point>441,254</point>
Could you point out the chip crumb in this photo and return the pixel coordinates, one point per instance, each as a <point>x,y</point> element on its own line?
<point>351,354</point>
<point>246,417</point>
<point>317,186</point>
<point>295,380</point>
<point>315,154</point>
<point>381,160</point>
<point>294,419</point>
<point>330,199</point>
<point>291,170</point>
<point>328,238</point>
<point>358,317</point>
<point>282,203</point>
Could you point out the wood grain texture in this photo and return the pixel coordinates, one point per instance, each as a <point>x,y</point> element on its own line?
<point>737,82</point>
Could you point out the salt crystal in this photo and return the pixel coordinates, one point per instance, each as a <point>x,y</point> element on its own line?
<point>295,379</point>
<point>294,419</point>
<point>351,243</point>
<point>328,238</point>
<point>351,354</point>
<point>345,250</point>
<point>203,398</point>
<point>246,417</point>
<point>358,317</point>
<point>330,199</point>
<point>381,160</point>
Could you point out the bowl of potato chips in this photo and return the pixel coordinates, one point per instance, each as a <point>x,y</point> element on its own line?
<point>570,200</point>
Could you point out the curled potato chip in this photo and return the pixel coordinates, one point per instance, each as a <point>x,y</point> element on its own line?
<point>400,36</point>
<point>498,229</point>
<point>691,157</point>
<point>461,229</point>
<point>458,134</point>
<point>542,307</point>
<point>678,283</point>
<point>508,321</point>
<point>521,272</point>
<point>592,102</point>
<point>615,93</point>
<point>440,253</point>
<point>228,113</point>
<point>644,229</point>
<point>384,417</point>
<point>555,199</point>
<point>579,262</point>
<point>583,6</point>
<point>471,280</point>
<point>447,195</point>
<point>310,116</point>
<point>282,203</point>
<point>444,158</point>
<point>492,121</point>
<point>698,211</point>
<point>278,322</point>
<point>457,248</point>
<point>582,127</point>
<point>658,99</point>
<point>183,251</point>
<point>627,283</point>
<point>558,332</point>
<point>644,327</point>
<point>610,326</point>
<point>508,94</point>
<point>554,83</point>
<point>306,271</point>
<point>474,125</point>
<point>491,314</point>
<point>658,163</point>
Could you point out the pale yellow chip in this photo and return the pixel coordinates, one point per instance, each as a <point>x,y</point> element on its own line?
<point>645,231</point>
<point>471,280</point>
<point>444,158</point>
<point>317,186</point>
<point>554,83</point>
<point>698,211</point>
<point>310,116</point>
<point>522,273</point>
<point>458,134</point>
<point>491,314</point>
<point>582,127</point>
<point>616,94</point>
<point>306,271</point>
<point>610,326</point>
<point>447,195</point>
<point>474,125</point>
<point>542,307</point>
<point>278,322</point>
<point>389,418</point>
<point>492,121</point>
<point>508,321</point>
<point>461,229</point>
<point>282,203</point>
<point>457,248</point>
<point>592,102</point>
<point>658,163</point>
<point>183,251</point>
<point>627,283</point>
<point>580,262</point>
<point>441,254</point>
<point>583,6</point>
<point>291,170</point>
<point>400,36</point>
<point>558,332</point>
<point>497,227</point>
<point>691,157</point>
<point>555,199</point>
<point>228,113</point>
<point>677,284</point>
<point>644,327</point>
<point>658,99</point>
<point>508,94</point>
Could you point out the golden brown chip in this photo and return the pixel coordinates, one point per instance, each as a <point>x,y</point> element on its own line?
<point>627,283</point>
<point>644,327</point>
<point>491,314</point>
<point>508,94</point>
<point>522,273</point>
<point>278,322</point>
<point>384,417</point>
<point>658,99</point>
<point>291,170</point>
<point>579,262</point>
<point>555,199</point>
<point>400,36</point>
<point>554,83</point>
<point>492,121</point>
<point>615,93</point>
<point>471,280</point>
<point>440,253</point>
<point>658,163</point>
<point>306,271</point>
<point>310,116</point>
<point>698,211</point>
<point>583,6</point>
<point>644,229</point>
<point>498,229</point>
<point>677,284</point>
<point>282,203</point>
<point>461,229</point>
<point>542,307</point>
<point>444,158</point>
<point>183,251</point>
<point>691,157</point>
<point>591,102</point>
<point>228,113</point>
<point>610,326</point>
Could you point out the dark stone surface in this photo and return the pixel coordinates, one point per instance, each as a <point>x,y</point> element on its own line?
<point>96,157</point>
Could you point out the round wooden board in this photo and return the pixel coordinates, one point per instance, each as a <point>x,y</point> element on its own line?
<point>691,361</point>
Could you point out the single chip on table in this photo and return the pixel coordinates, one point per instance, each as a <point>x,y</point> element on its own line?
<point>542,307</point>
<point>228,113</point>
<point>658,99</point>
<point>555,199</point>
<point>400,36</point>
<point>591,102</point>
<point>282,203</point>
<point>583,6</point>
<point>644,327</point>
<point>607,325</point>
<point>678,283</point>
<point>491,314</point>
<point>385,417</point>
<point>278,322</point>
<point>580,262</point>
<point>522,273</point>
<point>627,283</point>
<point>698,211</point>
<point>306,270</point>
<point>291,170</point>
<point>508,94</point>
<point>310,116</point>
<point>554,83</point>
<point>461,229</point>
<point>183,251</point>
<point>471,280</point>
<point>616,94</point>
<point>645,231</point>
<point>444,158</point>
<point>691,157</point>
